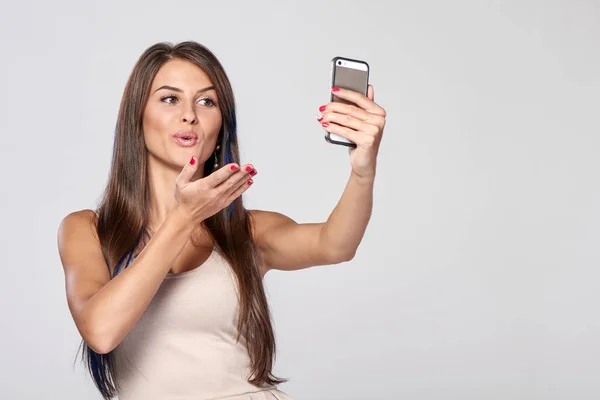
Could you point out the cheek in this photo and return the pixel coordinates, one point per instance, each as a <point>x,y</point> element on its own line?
<point>218,122</point>
<point>215,123</point>
<point>210,120</point>
<point>154,124</point>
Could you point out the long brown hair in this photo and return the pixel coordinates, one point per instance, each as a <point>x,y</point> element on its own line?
<point>123,210</point>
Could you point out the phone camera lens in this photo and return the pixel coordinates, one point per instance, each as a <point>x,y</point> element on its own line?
<point>339,63</point>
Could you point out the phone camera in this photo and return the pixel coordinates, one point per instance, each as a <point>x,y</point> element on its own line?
<point>339,63</point>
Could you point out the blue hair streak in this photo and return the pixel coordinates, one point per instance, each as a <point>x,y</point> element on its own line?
<point>230,136</point>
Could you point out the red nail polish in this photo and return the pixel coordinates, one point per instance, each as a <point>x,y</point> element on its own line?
<point>192,161</point>
<point>249,168</point>
<point>253,173</point>
<point>325,124</point>
<point>335,89</point>
<point>322,108</point>
<point>250,182</point>
<point>234,168</point>
<point>320,119</point>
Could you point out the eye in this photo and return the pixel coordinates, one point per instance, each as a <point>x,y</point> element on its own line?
<point>209,102</point>
<point>171,99</point>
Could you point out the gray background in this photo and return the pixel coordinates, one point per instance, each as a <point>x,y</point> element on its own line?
<point>478,275</point>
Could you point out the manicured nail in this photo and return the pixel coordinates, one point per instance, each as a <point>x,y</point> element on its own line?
<point>192,161</point>
<point>250,182</point>
<point>322,108</point>
<point>234,168</point>
<point>320,117</point>
<point>253,173</point>
<point>335,89</point>
<point>249,168</point>
<point>325,124</point>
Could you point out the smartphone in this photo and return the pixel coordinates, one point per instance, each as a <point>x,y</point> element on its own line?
<point>347,73</point>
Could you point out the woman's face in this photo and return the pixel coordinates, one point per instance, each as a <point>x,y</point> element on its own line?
<point>182,117</point>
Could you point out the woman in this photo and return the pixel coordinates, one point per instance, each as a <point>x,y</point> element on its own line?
<point>164,281</point>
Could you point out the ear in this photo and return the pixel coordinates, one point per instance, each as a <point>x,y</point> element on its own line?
<point>371,93</point>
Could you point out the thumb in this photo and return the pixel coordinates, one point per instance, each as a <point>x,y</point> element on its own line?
<point>189,169</point>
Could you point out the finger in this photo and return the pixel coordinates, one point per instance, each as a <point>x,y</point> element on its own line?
<point>353,111</point>
<point>360,100</point>
<point>349,121</point>
<point>245,185</point>
<point>344,132</point>
<point>349,109</point>
<point>356,112</point>
<point>188,171</point>
<point>233,182</point>
<point>221,175</point>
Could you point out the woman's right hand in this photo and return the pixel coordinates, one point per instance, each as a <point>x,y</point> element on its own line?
<point>207,196</point>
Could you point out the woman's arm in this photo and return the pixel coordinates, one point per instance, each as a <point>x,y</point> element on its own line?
<point>286,245</point>
<point>105,310</point>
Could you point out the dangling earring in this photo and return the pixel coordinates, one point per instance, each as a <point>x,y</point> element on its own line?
<point>217,157</point>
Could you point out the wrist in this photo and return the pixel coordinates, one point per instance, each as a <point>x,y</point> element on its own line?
<point>363,179</point>
<point>183,218</point>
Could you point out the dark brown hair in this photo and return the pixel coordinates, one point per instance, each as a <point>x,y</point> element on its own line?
<point>123,210</point>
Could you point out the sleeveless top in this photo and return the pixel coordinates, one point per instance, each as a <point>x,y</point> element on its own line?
<point>184,345</point>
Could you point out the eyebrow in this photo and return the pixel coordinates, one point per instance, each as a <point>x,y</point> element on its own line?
<point>173,88</point>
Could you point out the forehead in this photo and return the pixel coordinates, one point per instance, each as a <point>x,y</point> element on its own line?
<point>181,74</point>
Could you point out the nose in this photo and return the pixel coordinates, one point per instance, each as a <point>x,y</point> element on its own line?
<point>189,116</point>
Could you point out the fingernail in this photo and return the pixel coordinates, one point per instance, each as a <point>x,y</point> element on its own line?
<point>320,117</point>
<point>335,89</point>
<point>325,124</point>
<point>192,161</point>
<point>253,173</point>
<point>322,108</point>
<point>249,168</point>
<point>234,168</point>
<point>250,182</point>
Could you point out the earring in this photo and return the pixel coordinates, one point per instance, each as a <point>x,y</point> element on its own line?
<point>217,156</point>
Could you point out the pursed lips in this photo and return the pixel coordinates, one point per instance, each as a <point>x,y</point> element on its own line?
<point>186,135</point>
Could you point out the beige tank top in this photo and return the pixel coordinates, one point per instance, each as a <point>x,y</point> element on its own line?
<point>184,345</point>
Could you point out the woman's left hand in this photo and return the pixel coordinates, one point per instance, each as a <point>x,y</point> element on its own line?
<point>362,123</point>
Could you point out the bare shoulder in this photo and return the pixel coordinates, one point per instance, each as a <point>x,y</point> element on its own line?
<point>82,215</point>
<point>262,220</point>
<point>79,246</point>
<point>265,223</point>
<point>77,223</point>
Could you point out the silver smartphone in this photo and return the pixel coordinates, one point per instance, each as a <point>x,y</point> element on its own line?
<point>347,73</point>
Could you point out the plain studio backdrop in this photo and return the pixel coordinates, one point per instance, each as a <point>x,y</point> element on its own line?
<point>478,274</point>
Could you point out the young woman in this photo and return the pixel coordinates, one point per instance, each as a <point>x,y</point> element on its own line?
<point>165,280</point>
